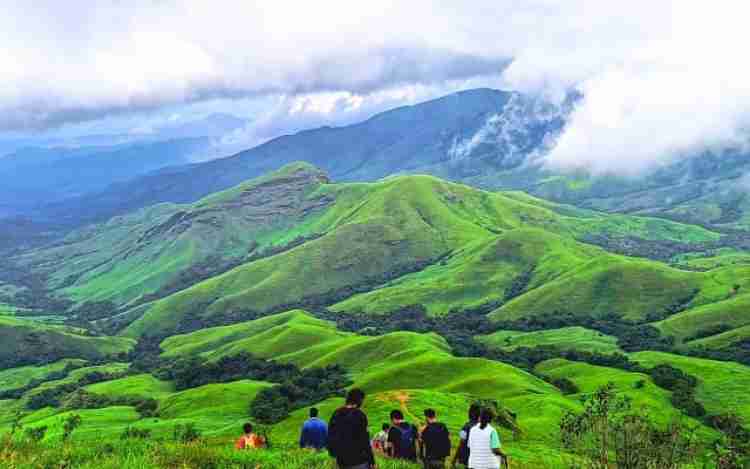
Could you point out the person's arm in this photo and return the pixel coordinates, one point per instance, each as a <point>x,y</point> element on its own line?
<point>495,443</point>
<point>368,446</point>
<point>461,444</point>
<point>302,437</point>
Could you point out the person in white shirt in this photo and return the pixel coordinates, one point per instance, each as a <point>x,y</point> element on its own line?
<point>484,444</point>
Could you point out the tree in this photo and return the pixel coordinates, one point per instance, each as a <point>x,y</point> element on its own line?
<point>607,433</point>
<point>72,422</point>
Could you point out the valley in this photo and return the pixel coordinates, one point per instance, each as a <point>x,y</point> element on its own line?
<point>421,291</point>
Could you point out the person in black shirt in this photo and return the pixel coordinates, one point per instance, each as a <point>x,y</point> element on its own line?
<point>436,442</point>
<point>402,438</point>
<point>348,438</point>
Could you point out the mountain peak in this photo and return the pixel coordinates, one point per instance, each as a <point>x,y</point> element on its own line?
<point>294,177</point>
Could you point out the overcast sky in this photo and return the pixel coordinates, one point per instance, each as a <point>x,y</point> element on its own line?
<point>660,79</point>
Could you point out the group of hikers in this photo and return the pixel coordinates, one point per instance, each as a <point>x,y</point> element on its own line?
<point>347,438</point>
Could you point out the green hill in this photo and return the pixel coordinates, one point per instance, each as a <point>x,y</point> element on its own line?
<point>401,360</point>
<point>566,338</point>
<point>142,252</point>
<point>26,342</point>
<point>722,386</point>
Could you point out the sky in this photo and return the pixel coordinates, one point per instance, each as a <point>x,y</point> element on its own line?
<point>660,79</point>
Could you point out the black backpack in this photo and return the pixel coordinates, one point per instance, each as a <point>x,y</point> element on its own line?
<point>437,441</point>
<point>408,447</point>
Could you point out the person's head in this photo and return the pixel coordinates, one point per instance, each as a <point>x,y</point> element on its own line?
<point>386,427</point>
<point>474,412</point>
<point>430,415</point>
<point>313,412</point>
<point>247,428</point>
<point>485,418</point>
<point>397,416</point>
<point>355,397</point>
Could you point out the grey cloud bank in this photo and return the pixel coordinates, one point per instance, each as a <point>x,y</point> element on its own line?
<point>659,80</point>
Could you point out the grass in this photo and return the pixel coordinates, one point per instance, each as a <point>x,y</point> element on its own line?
<point>567,338</point>
<point>143,385</point>
<point>22,338</point>
<point>646,398</point>
<point>481,272</point>
<point>733,312</point>
<point>722,386</point>
<point>400,360</point>
<point>138,253</point>
<point>135,454</point>
<point>721,341</point>
<point>15,378</point>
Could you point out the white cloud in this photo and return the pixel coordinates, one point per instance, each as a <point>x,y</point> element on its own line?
<point>660,79</point>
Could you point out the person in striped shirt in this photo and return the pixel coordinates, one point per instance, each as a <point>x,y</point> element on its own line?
<point>484,444</point>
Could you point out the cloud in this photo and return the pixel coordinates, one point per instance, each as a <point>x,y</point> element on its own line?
<point>660,80</point>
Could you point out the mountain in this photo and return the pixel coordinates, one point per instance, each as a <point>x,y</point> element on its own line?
<point>293,238</point>
<point>31,177</point>
<point>430,137</point>
<point>486,138</point>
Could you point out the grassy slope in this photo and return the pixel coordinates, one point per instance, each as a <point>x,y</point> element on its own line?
<point>24,337</point>
<point>375,229</point>
<point>567,338</point>
<point>401,360</point>
<point>722,385</point>
<point>733,311</point>
<point>722,341</point>
<point>138,253</point>
<point>143,385</point>
<point>650,399</point>
<point>15,378</point>
<point>478,273</point>
<point>628,286</point>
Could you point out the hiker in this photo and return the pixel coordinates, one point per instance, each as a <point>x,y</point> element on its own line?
<point>462,454</point>
<point>314,432</point>
<point>249,439</point>
<point>381,439</point>
<point>436,442</point>
<point>484,444</point>
<point>402,438</point>
<point>348,438</point>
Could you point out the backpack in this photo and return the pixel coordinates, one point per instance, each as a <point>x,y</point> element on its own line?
<point>408,439</point>
<point>439,443</point>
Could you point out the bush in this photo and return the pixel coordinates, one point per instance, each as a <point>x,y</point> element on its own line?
<point>186,433</point>
<point>135,433</point>
<point>35,434</point>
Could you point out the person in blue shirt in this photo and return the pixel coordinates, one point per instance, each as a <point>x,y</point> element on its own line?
<point>314,432</point>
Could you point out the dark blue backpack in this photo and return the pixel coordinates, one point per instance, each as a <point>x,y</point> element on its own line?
<point>408,441</point>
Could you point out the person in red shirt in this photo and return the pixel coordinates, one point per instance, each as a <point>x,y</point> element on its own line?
<point>250,440</point>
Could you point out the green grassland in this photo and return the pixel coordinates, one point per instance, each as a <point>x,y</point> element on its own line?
<point>138,253</point>
<point>566,338</point>
<point>400,360</point>
<point>722,386</point>
<point>15,378</point>
<point>646,398</point>
<point>722,341</point>
<point>483,240</point>
<point>26,338</point>
<point>733,311</point>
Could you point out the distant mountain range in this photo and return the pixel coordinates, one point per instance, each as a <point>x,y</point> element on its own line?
<point>486,138</point>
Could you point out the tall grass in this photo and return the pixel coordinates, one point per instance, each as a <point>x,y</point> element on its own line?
<point>146,454</point>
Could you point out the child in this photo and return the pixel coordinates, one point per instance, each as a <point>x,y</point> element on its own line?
<point>378,443</point>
